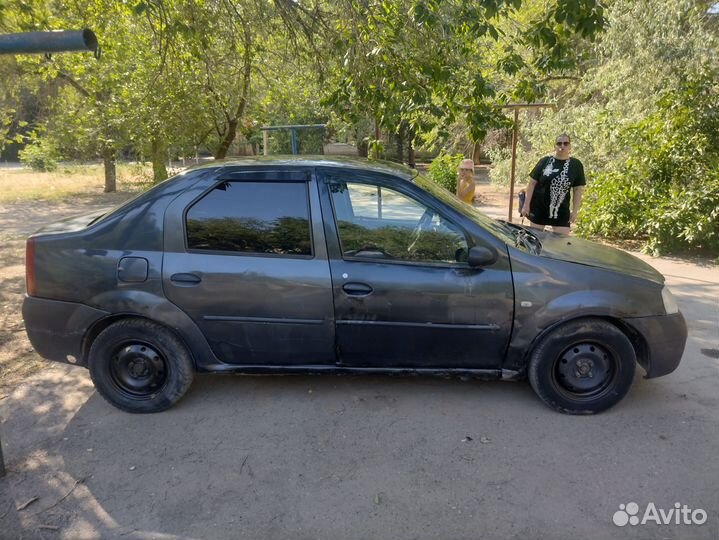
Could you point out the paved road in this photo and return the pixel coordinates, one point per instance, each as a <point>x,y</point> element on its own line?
<point>359,457</point>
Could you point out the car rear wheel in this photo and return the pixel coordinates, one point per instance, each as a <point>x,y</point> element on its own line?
<point>583,367</point>
<point>139,366</point>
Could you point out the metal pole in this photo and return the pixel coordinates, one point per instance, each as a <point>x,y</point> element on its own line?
<point>515,136</point>
<point>294,141</point>
<point>515,133</point>
<point>265,140</point>
<point>2,462</point>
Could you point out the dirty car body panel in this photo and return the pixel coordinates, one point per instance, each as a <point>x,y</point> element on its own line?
<point>316,265</point>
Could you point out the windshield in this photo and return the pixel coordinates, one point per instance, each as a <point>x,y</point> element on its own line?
<point>497,228</point>
<point>509,233</point>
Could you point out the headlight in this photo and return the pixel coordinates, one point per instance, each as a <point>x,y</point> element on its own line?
<point>670,303</point>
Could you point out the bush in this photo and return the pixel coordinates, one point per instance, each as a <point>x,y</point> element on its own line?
<point>501,171</point>
<point>40,156</point>
<point>666,220</point>
<point>443,171</point>
<point>685,217</point>
<point>375,149</point>
<point>666,191</point>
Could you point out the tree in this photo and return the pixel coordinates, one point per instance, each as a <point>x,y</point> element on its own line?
<point>418,64</point>
<point>642,118</point>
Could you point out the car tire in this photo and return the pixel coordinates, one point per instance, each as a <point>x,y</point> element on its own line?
<point>582,367</point>
<point>139,366</point>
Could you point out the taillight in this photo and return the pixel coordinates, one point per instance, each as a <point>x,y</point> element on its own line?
<point>30,285</point>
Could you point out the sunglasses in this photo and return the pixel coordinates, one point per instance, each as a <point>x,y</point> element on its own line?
<point>462,169</point>
<point>562,143</point>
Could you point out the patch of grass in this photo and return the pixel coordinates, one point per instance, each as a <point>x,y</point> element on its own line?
<point>18,185</point>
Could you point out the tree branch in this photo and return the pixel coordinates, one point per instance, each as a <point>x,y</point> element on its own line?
<point>76,85</point>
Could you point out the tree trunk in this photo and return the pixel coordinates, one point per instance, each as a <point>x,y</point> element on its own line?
<point>159,153</point>
<point>108,160</point>
<point>233,122</point>
<point>227,140</point>
<point>477,152</point>
<point>400,144</point>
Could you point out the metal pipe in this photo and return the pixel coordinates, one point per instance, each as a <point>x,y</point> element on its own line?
<point>2,462</point>
<point>292,126</point>
<point>48,42</point>
<point>294,142</point>
<point>515,136</point>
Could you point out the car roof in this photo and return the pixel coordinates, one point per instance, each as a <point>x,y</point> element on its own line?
<point>312,161</point>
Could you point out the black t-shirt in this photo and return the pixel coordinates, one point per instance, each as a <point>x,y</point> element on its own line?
<point>555,179</point>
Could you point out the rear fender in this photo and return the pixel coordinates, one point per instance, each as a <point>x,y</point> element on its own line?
<point>126,303</point>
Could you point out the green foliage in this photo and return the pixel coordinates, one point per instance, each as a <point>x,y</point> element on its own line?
<point>401,242</point>
<point>375,149</point>
<point>424,65</point>
<point>285,235</point>
<point>645,125</point>
<point>501,171</point>
<point>667,190</point>
<point>443,171</point>
<point>40,156</point>
<point>635,82</point>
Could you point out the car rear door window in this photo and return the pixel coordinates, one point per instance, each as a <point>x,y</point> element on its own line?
<point>376,222</point>
<point>270,218</point>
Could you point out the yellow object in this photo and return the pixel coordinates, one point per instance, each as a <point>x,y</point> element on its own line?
<point>469,195</point>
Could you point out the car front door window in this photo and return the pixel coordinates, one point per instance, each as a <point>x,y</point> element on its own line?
<point>375,222</point>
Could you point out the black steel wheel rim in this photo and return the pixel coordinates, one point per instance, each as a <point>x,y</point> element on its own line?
<point>138,370</point>
<point>585,370</point>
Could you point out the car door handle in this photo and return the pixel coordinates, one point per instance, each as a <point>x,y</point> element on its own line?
<point>185,279</point>
<point>357,289</point>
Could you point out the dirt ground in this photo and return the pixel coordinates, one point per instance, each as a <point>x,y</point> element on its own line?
<point>17,221</point>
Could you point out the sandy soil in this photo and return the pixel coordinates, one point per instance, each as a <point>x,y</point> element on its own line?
<point>17,221</point>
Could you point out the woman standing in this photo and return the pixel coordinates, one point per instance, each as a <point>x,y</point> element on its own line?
<point>551,182</point>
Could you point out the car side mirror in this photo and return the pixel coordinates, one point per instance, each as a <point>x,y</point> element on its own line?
<point>481,256</point>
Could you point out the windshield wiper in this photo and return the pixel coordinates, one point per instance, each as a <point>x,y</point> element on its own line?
<point>527,239</point>
<point>523,236</point>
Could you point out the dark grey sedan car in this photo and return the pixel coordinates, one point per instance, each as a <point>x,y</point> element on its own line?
<point>338,266</point>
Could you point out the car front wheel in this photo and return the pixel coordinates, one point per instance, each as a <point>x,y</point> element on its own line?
<point>139,366</point>
<point>582,367</point>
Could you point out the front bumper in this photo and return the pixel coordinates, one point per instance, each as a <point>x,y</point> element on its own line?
<point>56,329</point>
<point>665,337</point>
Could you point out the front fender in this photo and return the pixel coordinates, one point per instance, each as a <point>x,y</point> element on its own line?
<point>549,293</point>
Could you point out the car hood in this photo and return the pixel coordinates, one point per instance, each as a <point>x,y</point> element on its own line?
<point>576,250</point>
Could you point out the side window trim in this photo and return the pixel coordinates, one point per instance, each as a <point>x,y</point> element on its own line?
<point>252,177</point>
